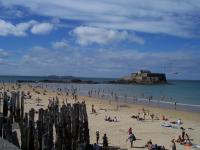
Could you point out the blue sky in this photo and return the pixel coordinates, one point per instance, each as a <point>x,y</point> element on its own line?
<point>107,38</point>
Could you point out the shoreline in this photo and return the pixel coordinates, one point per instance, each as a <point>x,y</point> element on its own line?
<point>161,103</point>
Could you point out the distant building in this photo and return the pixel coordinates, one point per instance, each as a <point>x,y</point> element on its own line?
<point>147,77</point>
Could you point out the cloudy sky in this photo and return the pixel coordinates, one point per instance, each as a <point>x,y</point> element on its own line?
<point>107,38</point>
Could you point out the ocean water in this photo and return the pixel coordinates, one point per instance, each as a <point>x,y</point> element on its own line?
<point>185,93</point>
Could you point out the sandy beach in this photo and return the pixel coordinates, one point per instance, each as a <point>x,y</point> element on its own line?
<point>117,132</point>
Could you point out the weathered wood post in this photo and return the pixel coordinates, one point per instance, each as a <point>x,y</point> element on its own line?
<point>31,145</point>
<point>22,105</point>
<point>24,132</point>
<point>1,124</point>
<point>40,127</point>
<point>17,119</point>
<point>15,140</point>
<point>5,105</point>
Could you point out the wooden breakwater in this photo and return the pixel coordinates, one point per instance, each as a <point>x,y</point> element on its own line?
<point>59,128</point>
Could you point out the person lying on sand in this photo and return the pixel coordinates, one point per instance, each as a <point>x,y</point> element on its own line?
<point>109,119</point>
<point>179,140</point>
<point>152,146</point>
<point>134,116</point>
<point>178,122</point>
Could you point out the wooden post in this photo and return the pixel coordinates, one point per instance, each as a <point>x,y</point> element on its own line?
<point>40,127</point>
<point>15,140</point>
<point>1,124</point>
<point>5,105</point>
<point>24,132</point>
<point>31,145</point>
<point>22,105</point>
<point>17,107</point>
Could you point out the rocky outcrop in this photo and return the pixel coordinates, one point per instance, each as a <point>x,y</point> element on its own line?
<point>142,77</point>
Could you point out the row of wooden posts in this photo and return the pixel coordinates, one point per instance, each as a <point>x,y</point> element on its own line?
<point>59,128</point>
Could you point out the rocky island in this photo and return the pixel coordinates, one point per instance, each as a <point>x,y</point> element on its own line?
<point>143,77</point>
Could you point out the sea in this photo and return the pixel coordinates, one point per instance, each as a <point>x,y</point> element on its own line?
<point>177,94</point>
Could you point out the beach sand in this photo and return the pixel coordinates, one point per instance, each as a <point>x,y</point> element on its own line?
<point>117,132</point>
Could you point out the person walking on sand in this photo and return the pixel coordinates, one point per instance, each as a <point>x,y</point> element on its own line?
<point>97,137</point>
<point>105,142</point>
<point>131,138</point>
<point>175,105</point>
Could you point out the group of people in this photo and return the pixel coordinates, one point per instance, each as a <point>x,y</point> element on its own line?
<point>109,119</point>
<point>184,138</point>
<point>105,142</point>
<point>141,116</point>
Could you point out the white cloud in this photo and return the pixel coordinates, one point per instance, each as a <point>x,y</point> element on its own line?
<point>88,35</point>
<point>172,17</point>
<point>109,62</point>
<point>60,44</point>
<point>43,57</point>
<point>42,28</point>
<point>7,28</point>
<point>21,29</point>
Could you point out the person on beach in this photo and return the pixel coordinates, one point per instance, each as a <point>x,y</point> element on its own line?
<point>173,144</point>
<point>129,131</point>
<point>179,140</point>
<point>131,138</point>
<point>152,116</point>
<point>152,146</point>
<point>97,137</point>
<point>187,140</point>
<point>138,116</point>
<point>175,105</point>
<point>93,110</point>
<point>179,122</point>
<point>183,133</point>
<point>105,142</point>
<point>115,119</point>
<point>144,114</point>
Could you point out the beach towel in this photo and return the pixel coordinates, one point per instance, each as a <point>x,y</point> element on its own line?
<point>175,126</point>
<point>166,125</point>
